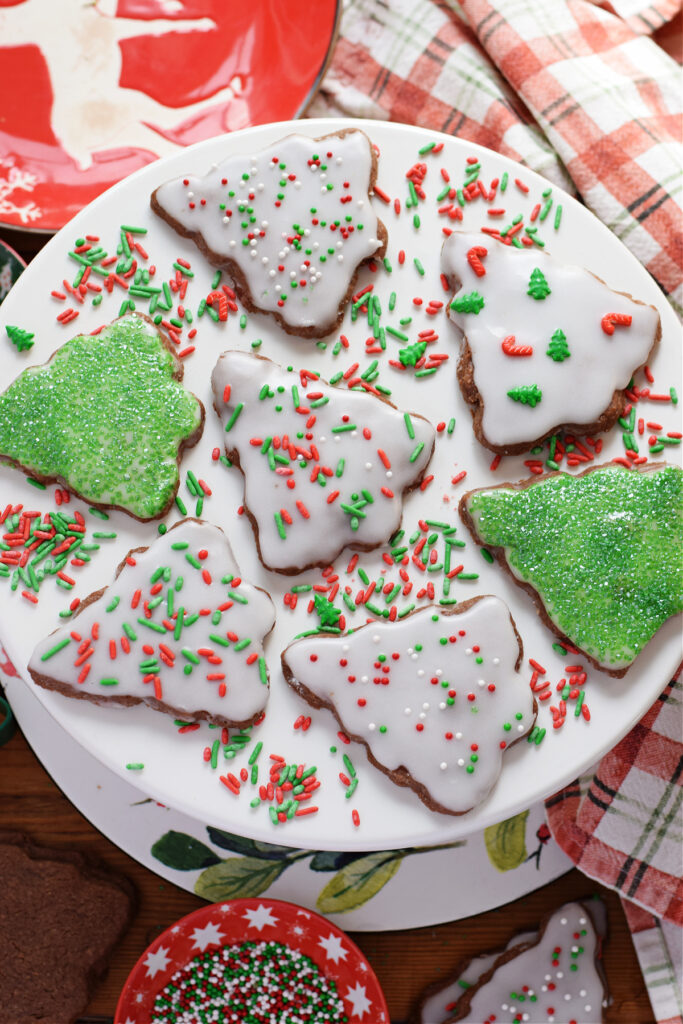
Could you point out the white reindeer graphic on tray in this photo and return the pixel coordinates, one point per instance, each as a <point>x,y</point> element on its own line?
<point>91,111</point>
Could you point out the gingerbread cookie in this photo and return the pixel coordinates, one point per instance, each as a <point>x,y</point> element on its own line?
<point>178,630</point>
<point>600,552</point>
<point>544,345</point>
<point>324,468</point>
<point>435,698</point>
<point>557,978</point>
<point>291,224</point>
<point>61,915</point>
<point>107,417</point>
<point>438,1002</point>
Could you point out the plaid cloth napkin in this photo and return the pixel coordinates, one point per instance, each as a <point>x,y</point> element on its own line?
<point>622,824</point>
<point>576,90</point>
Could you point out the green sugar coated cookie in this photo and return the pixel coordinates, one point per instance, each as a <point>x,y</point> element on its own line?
<point>107,415</point>
<point>602,550</point>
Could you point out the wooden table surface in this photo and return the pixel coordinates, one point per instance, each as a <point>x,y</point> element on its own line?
<point>404,961</point>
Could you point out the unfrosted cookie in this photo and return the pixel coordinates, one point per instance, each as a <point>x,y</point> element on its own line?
<point>107,417</point>
<point>435,698</point>
<point>178,630</point>
<point>291,224</point>
<point>61,915</point>
<point>324,468</point>
<point>556,979</point>
<point>544,345</point>
<point>600,553</point>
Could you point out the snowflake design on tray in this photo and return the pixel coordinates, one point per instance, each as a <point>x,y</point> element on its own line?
<point>11,182</point>
<point>178,630</point>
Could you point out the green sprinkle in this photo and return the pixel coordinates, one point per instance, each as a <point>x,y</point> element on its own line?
<point>399,334</point>
<point>55,650</point>
<point>233,419</point>
<point>280,525</point>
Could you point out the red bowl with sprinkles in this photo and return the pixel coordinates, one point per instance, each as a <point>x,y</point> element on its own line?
<point>256,961</point>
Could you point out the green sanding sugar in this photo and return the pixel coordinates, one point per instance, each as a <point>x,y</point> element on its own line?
<point>603,550</point>
<point>107,415</point>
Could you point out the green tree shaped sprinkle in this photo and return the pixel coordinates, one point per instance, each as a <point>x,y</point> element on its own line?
<point>538,286</point>
<point>527,394</point>
<point>327,614</point>
<point>558,349</point>
<point>412,353</point>
<point>19,337</point>
<point>472,302</point>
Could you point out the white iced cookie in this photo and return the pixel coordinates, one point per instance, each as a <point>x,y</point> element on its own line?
<point>545,345</point>
<point>439,1003</point>
<point>291,224</point>
<point>555,980</point>
<point>178,630</point>
<point>436,698</point>
<point>324,467</point>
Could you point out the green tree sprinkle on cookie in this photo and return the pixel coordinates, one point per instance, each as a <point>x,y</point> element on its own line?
<point>526,394</point>
<point>558,349</point>
<point>472,302</point>
<point>538,286</point>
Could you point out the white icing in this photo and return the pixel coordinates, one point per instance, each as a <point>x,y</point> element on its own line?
<point>421,745</point>
<point>185,685</point>
<point>438,1007</point>
<point>316,429</point>
<point>530,970</point>
<point>287,241</point>
<point>575,390</point>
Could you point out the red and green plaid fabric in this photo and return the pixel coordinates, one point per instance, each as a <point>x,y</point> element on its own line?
<point>576,90</point>
<point>624,826</point>
<point>659,945</point>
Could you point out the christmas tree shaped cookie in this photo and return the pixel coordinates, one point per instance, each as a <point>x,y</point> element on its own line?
<point>599,552</point>
<point>291,224</point>
<point>107,416</point>
<point>555,978</point>
<point>435,698</point>
<point>441,1000</point>
<point>438,1003</point>
<point>324,468</point>
<point>178,630</point>
<point>544,345</point>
